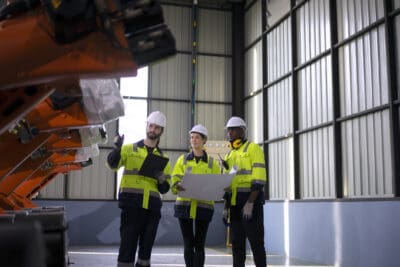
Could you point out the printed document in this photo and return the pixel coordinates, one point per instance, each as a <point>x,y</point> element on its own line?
<point>205,186</point>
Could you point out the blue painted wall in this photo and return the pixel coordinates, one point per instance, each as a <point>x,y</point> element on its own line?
<point>345,233</point>
<point>341,233</point>
<point>97,223</point>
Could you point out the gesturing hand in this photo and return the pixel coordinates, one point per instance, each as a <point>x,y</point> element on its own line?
<point>118,141</point>
<point>179,187</point>
<point>247,211</point>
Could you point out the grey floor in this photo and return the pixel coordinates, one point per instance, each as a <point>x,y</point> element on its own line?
<point>172,257</point>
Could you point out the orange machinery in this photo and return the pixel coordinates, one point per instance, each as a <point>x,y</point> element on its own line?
<point>47,48</point>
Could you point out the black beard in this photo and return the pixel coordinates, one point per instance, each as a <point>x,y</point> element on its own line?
<point>153,137</point>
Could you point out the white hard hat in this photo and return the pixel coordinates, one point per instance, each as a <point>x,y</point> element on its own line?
<point>156,117</point>
<point>199,129</point>
<point>236,122</point>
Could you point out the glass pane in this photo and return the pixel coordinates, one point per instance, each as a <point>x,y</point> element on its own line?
<point>135,86</point>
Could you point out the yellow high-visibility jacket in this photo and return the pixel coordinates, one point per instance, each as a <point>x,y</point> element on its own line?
<point>186,208</point>
<point>251,174</point>
<point>144,188</point>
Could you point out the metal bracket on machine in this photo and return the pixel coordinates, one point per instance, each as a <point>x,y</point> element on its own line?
<point>24,131</point>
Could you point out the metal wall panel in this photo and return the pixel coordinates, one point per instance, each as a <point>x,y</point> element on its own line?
<point>355,15</point>
<point>280,109</point>
<point>316,157</point>
<point>214,79</point>
<point>179,21</point>
<point>252,23</point>
<point>315,93</point>
<point>363,73</point>
<point>254,118</point>
<point>54,189</point>
<point>313,28</point>
<point>280,166</point>
<point>92,182</point>
<point>215,31</point>
<point>178,123</point>
<point>276,10</point>
<point>214,118</point>
<point>171,78</point>
<point>366,154</point>
<point>253,69</point>
<point>279,51</point>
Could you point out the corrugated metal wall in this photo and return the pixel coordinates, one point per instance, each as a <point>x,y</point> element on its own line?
<point>367,164</point>
<point>315,93</point>
<point>316,164</point>
<point>214,71</point>
<point>254,118</point>
<point>363,83</point>
<point>252,23</point>
<point>276,9</point>
<point>215,31</point>
<point>171,81</point>
<point>313,29</point>
<point>280,109</point>
<point>178,20</point>
<point>170,85</point>
<point>253,78</point>
<point>363,107</point>
<point>355,15</point>
<point>280,165</point>
<point>94,182</point>
<point>279,51</point>
<point>213,77</point>
<point>253,69</point>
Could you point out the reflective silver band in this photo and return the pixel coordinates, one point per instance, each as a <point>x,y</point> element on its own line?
<point>143,262</point>
<point>138,191</point>
<point>131,172</point>
<point>243,172</point>
<point>258,165</point>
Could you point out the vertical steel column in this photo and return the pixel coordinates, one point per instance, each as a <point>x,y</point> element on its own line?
<point>194,62</point>
<point>393,94</point>
<point>238,59</point>
<point>66,182</point>
<point>296,152</point>
<point>337,135</point>
<point>265,91</point>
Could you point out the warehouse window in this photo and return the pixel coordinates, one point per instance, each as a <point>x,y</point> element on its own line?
<point>134,91</point>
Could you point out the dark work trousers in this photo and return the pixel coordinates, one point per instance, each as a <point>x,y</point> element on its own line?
<point>194,242</point>
<point>138,225</point>
<point>253,230</point>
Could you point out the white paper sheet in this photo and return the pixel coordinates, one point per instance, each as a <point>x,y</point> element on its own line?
<point>205,186</point>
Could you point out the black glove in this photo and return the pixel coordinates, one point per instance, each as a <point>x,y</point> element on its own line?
<point>118,141</point>
<point>223,162</point>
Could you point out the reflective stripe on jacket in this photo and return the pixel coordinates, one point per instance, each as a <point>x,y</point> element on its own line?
<point>186,208</point>
<point>132,158</point>
<point>251,174</point>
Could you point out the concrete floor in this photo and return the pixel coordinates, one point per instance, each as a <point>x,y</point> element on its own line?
<point>172,257</point>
